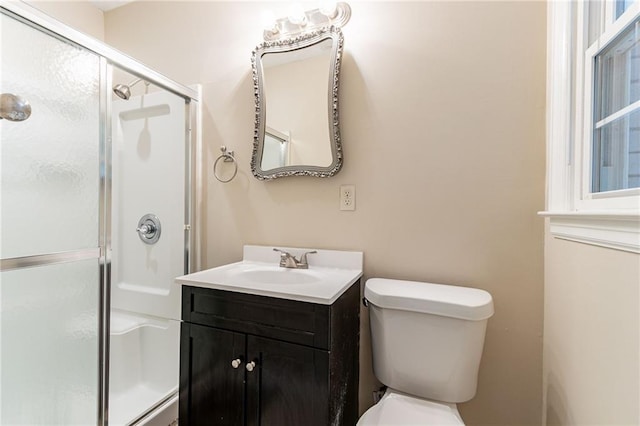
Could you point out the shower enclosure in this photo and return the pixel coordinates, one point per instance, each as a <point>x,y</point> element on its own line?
<point>95,223</point>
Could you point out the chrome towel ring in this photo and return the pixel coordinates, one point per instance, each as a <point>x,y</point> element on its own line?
<point>226,157</point>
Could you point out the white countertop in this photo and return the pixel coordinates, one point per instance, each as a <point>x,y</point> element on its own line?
<point>330,273</point>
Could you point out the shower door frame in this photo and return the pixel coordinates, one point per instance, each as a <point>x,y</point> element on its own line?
<point>110,58</point>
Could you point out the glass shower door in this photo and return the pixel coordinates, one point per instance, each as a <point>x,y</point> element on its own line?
<point>50,231</point>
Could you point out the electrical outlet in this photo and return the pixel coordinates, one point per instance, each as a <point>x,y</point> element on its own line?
<point>347,197</point>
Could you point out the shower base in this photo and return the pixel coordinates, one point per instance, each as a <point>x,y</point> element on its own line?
<point>131,406</point>
<point>143,370</point>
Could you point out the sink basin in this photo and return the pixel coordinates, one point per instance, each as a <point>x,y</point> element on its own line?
<point>330,273</point>
<point>280,276</point>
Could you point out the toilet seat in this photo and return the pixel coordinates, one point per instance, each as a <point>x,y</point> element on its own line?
<point>399,409</point>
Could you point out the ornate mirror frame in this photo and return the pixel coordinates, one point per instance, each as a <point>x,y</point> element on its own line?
<point>333,121</point>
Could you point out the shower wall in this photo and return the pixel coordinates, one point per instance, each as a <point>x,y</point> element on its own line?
<point>148,167</point>
<point>148,178</point>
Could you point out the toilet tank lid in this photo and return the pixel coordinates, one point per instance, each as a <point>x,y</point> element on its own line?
<point>446,300</point>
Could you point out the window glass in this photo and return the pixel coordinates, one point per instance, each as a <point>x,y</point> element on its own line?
<point>622,5</point>
<point>617,155</point>
<point>618,74</point>
<point>617,113</point>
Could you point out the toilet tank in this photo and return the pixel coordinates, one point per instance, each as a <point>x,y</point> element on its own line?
<point>427,339</point>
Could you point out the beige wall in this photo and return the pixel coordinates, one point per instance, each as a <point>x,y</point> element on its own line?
<point>591,335</point>
<point>80,15</point>
<point>443,128</point>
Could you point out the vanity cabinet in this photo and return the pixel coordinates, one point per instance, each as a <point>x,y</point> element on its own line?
<point>302,359</point>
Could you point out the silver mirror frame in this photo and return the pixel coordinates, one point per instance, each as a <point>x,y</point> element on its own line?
<point>287,45</point>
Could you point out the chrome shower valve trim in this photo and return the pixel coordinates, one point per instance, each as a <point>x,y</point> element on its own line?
<point>149,229</point>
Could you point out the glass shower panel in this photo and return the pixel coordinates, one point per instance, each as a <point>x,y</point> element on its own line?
<point>50,162</point>
<point>49,345</point>
<point>50,201</point>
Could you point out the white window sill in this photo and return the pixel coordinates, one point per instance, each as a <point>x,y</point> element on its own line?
<point>612,230</point>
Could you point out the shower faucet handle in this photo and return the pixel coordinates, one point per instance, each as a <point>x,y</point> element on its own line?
<point>146,229</point>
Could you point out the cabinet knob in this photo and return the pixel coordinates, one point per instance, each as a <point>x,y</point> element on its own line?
<point>250,366</point>
<point>236,363</point>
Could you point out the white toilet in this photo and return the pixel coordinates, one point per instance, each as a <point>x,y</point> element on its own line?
<point>427,343</point>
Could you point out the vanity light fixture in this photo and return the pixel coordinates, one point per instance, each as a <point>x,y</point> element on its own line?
<point>297,15</point>
<point>300,21</point>
<point>269,21</point>
<point>329,8</point>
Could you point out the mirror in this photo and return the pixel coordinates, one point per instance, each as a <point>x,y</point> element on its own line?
<point>296,89</point>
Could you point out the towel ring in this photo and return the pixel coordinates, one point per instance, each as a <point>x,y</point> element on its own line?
<point>226,157</point>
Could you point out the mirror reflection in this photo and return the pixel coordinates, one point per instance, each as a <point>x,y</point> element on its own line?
<point>296,100</point>
<point>296,106</point>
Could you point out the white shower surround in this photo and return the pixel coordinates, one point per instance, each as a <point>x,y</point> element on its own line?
<point>148,177</point>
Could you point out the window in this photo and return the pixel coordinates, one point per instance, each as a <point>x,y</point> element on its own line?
<point>621,6</point>
<point>616,123</point>
<point>594,122</point>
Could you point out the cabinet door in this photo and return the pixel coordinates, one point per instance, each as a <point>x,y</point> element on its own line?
<point>289,385</point>
<point>211,389</point>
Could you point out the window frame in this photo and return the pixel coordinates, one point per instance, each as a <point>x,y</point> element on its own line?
<point>609,219</point>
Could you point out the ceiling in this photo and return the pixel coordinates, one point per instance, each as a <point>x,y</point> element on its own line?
<point>106,5</point>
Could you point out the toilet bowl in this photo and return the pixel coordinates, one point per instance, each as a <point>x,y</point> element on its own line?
<point>398,409</point>
<point>426,343</point>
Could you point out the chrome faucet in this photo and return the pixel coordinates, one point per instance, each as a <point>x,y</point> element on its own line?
<point>287,260</point>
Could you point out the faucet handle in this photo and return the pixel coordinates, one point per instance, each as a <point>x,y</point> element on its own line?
<point>286,259</point>
<point>303,258</point>
<point>283,253</point>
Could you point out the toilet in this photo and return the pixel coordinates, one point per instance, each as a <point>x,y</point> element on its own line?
<point>426,341</point>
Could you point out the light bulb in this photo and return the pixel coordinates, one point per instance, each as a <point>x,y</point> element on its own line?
<point>269,22</point>
<point>297,15</point>
<point>328,8</point>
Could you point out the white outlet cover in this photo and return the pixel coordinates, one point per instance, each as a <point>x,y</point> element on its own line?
<point>347,197</point>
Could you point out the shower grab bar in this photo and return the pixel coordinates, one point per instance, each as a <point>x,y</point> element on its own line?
<point>48,259</point>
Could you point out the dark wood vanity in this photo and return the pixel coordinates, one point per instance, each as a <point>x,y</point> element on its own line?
<point>257,360</point>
